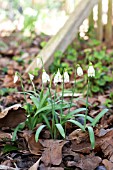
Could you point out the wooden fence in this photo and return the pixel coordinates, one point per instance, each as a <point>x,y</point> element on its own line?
<point>103,28</point>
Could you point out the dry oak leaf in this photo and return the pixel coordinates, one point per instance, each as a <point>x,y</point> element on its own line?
<point>12,116</point>
<point>89,162</point>
<point>52,153</point>
<point>107,147</point>
<point>34,147</point>
<point>5,111</point>
<point>106,144</point>
<point>80,141</point>
<point>78,135</point>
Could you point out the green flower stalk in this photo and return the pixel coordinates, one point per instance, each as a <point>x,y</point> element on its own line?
<point>16,77</point>
<point>79,72</point>
<point>31,79</point>
<point>91,73</point>
<point>88,88</point>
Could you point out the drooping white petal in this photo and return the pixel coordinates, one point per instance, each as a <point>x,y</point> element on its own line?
<point>66,77</point>
<point>45,77</point>
<point>57,78</point>
<point>31,76</point>
<point>15,78</point>
<point>91,71</point>
<point>79,71</point>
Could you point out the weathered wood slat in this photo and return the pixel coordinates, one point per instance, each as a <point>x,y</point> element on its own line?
<point>108,30</point>
<point>99,22</point>
<point>65,35</point>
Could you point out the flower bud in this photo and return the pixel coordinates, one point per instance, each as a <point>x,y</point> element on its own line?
<point>15,78</point>
<point>45,77</point>
<point>91,71</point>
<point>57,78</point>
<point>31,76</point>
<point>66,77</point>
<point>79,70</point>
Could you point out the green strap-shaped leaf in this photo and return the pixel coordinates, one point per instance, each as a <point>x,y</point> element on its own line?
<point>44,99</point>
<point>46,121</point>
<point>91,136</point>
<point>19,127</point>
<point>77,124</point>
<point>98,117</point>
<point>60,129</point>
<point>38,132</point>
<point>88,117</point>
<point>35,101</point>
<point>49,107</point>
<point>74,112</point>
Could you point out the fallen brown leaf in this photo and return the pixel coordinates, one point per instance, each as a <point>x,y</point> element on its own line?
<point>79,135</point>
<point>89,162</point>
<point>5,111</point>
<point>34,147</point>
<point>35,166</point>
<point>52,153</point>
<point>12,116</point>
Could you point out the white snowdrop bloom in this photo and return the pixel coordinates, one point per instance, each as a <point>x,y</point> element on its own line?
<point>79,71</point>
<point>57,78</point>
<point>91,71</point>
<point>31,76</point>
<point>15,78</point>
<point>45,77</point>
<point>66,77</point>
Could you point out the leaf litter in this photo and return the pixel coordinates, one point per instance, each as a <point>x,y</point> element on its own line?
<point>47,154</point>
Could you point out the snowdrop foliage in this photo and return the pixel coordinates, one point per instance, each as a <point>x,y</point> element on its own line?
<point>66,77</point>
<point>79,71</point>
<point>57,78</point>
<point>15,78</point>
<point>31,76</point>
<point>91,71</point>
<point>45,77</point>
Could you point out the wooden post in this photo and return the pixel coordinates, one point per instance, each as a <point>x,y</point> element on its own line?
<point>69,6</point>
<point>91,21</point>
<point>99,22</point>
<point>65,35</point>
<point>108,34</point>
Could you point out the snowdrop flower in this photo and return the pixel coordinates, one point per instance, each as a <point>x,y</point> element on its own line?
<point>45,77</point>
<point>31,76</point>
<point>15,78</point>
<point>57,78</point>
<point>91,70</point>
<point>79,70</point>
<point>66,77</point>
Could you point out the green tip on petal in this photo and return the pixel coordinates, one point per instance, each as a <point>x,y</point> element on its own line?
<point>65,70</point>
<point>90,64</point>
<point>58,70</point>
<point>77,65</point>
<point>16,73</point>
<point>43,70</point>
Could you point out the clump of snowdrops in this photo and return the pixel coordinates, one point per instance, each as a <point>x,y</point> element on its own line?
<point>47,108</point>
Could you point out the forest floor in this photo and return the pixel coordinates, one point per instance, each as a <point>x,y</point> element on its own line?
<point>73,153</point>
